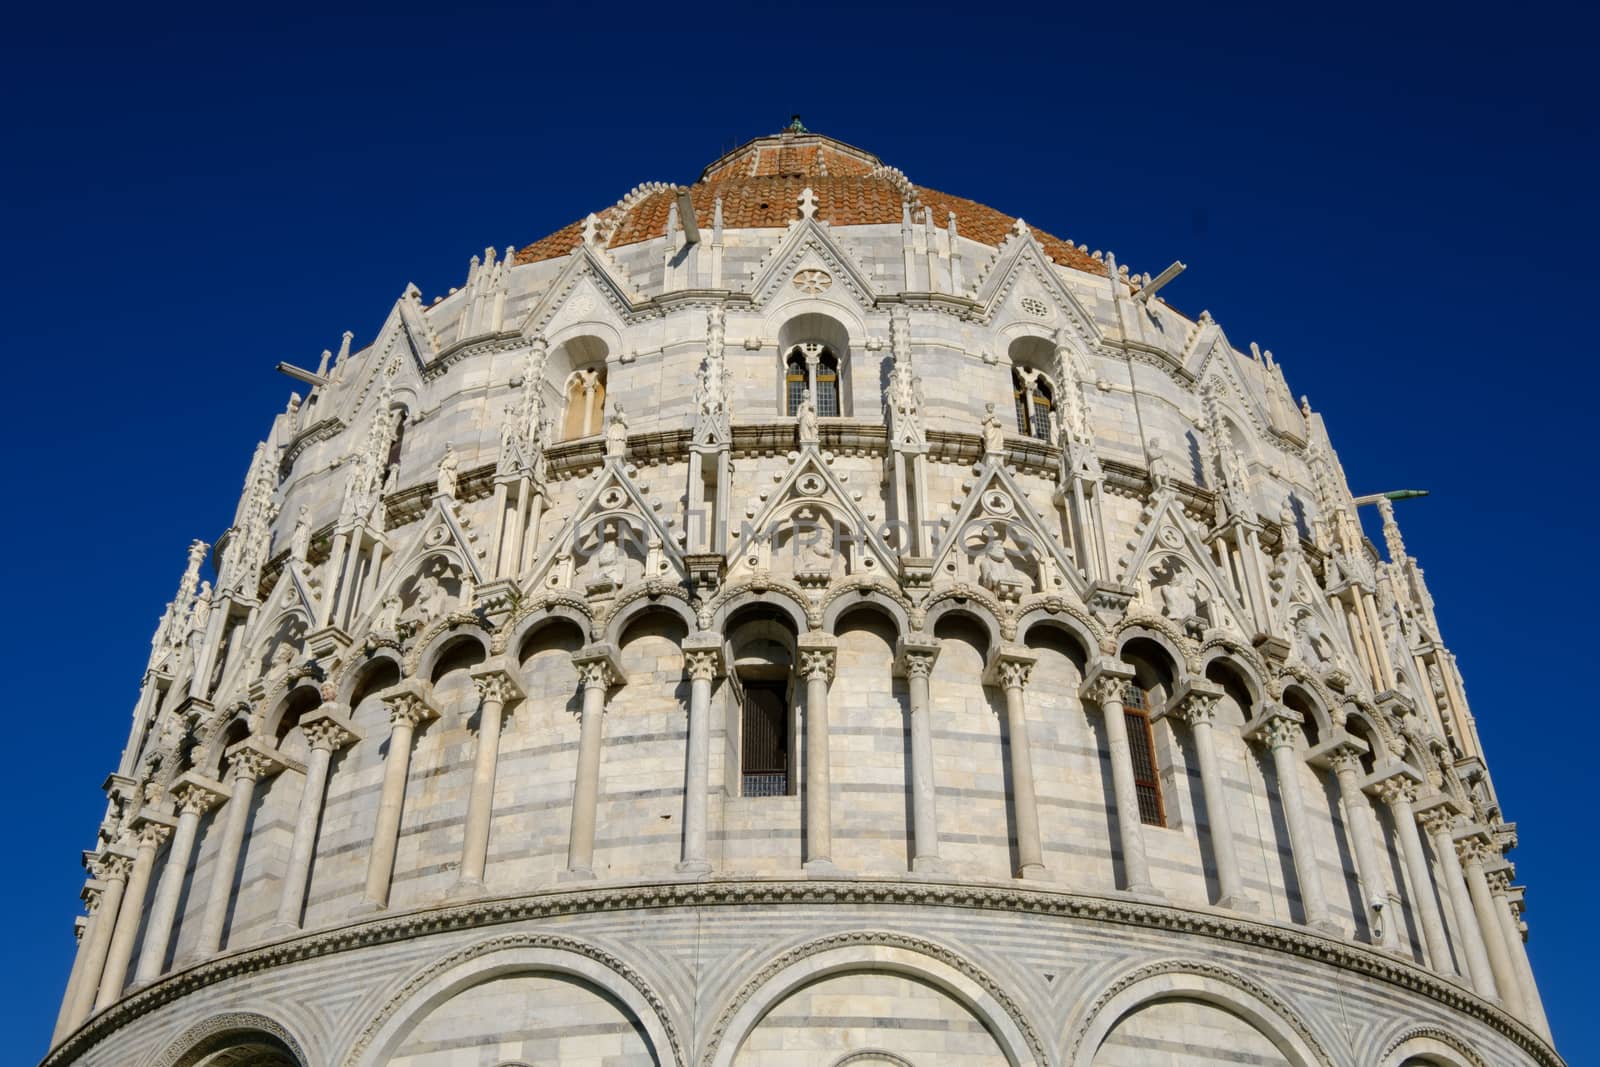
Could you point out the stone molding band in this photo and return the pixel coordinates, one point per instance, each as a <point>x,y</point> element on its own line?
<point>446,918</point>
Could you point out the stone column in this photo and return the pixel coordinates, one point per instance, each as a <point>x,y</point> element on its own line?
<point>1104,685</point>
<point>113,869</point>
<point>252,759</point>
<point>410,705</point>
<point>1195,703</point>
<point>1439,821</point>
<point>497,685</point>
<point>1343,755</point>
<point>80,936</point>
<point>1398,792</point>
<point>702,660</point>
<point>1010,670</point>
<point>326,732</point>
<point>1279,730</point>
<point>818,655</point>
<point>152,830</point>
<point>597,672</point>
<point>195,795</point>
<point>1500,886</point>
<point>917,655</point>
<point>1472,852</point>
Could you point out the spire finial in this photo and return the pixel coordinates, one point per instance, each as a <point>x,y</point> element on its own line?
<point>795,125</point>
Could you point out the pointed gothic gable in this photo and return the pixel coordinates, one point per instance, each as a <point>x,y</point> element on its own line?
<point>811,493</point>
<point>615,501</point>
<point>808,244</point>
<point>996,502</point>
<point>1221,364</point>
<point>1019,257</point>
<point>607,285</point>
<point>1297,595</point>
<point>1165,532</point>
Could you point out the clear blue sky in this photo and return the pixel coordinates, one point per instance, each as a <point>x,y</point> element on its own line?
<point>1398,204</point>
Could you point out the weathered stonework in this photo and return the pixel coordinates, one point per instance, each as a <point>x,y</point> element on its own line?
<point>802,618</point>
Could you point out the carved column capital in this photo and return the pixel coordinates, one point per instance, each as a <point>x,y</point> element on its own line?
<point>817,663</point>
<point>495,681</point>
<point>1011,667</point>
<point>1345,757</point>
<point>1473,850</point>
<point>1195,702</point>
<point>327,731</point>
<point>1106,681</point>
<point>916,655</point>
<point>254,758</point>
<point>151,833</point>
<point>113,867</point>
<point>410,703</point>
<point>597,666</point>
<point>1277,727</point>
<point>1397,790</point>
<point>1437,820</point>
<point>1499,881</point>
<point>702,664</point>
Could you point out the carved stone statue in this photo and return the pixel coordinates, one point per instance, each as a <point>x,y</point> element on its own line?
<point>445,485</point>
<point>617,434</point>
<point>387,621</point>
<point>1161,468</point>
<point>806,421</point>
<point>200,617</point>
<point>1178,596</point>
<point>300,538</point>
<point>430,599</point>
<point>609,567</point>
<point>994,435</point>
<point>1315,648</point>
<point>997,573</point>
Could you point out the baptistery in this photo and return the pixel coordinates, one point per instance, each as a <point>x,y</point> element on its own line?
<point>800,618</point>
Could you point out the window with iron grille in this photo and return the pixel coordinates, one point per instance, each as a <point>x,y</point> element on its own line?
<point>827,386</point>
<point>1019,397</point>
<point>1039,424</point>
<point>764,765</point>
<point>1032,397</point>
<point>795,382</point>
<point>1142,747</point>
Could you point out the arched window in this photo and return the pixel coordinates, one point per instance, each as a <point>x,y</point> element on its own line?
<point>1142,747</point>
<point>827,384</point>
<point>763,685</point>
<point>795,381</point>
<point>586,402</point>
<point>815,367</point>
<point>1035,400</point>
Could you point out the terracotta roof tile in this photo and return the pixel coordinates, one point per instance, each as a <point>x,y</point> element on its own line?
<point>852,192</point>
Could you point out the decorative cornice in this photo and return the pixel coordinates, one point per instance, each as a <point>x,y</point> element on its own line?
<point>405,926</point>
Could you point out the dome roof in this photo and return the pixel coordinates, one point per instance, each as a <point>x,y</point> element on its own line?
<point>759,185</point>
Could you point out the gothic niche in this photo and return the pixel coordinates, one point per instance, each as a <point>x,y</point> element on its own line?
<point>1311,641</point>
<point>422,599</point>
<point>282,650</point>
<point>1182,596</point>
<point>613,550</point>
<point>1001,557</point>
<point>810,546</point>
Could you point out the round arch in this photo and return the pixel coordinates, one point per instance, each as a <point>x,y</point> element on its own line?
<point>869,598</point>
<point>1157,634</point>
<point>966,607</point>
<point>1193,980</point>
<point>949,971</point>
<point>1431,1044</point>
<point>357,675</point>
<point>732,601</point>
<point>1312,698</point>
<point>1075,627</point>
<point>540,613</point>
<point>427,654</point>
<point>1242,667</point>
<point>229,1031</point>
<point>638,607</point>
<point>511,955</point>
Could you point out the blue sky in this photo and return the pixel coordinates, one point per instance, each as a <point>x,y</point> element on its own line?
<point>1397,203</point>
